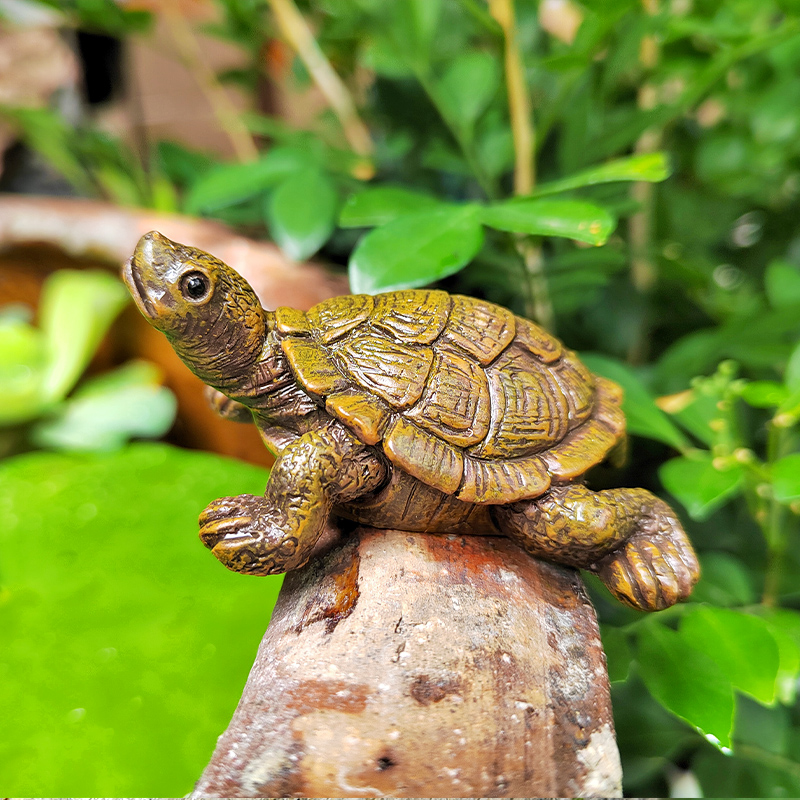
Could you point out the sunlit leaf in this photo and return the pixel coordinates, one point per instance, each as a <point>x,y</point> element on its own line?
<point>572,219</point>
<point>378,205</point>
<point>686,682</point>
<point>644,417</point>
<point>739,643</point>
<point>301,212</point>
<point>416,249</point>
<point>698,484</point>
<point>76,309</point>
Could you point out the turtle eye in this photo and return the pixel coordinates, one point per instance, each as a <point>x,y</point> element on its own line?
<point>195,286</point>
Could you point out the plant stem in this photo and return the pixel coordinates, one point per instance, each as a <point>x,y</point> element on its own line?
<point>774,525</point>
<point>297,33</point>
<point>226,113</point>
<point>519,104</point>
<point>538,304</point>
<point>640,224</point>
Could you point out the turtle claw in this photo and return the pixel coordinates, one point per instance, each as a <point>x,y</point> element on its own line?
<point>651,571</point>
<point>247,534</point>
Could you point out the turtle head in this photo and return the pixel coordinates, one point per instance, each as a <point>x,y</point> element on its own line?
<point>209,312</point>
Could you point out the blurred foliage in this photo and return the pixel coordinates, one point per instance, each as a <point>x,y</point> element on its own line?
<point>692,304</point>
<point>39,367</point>
<point>124,648</point>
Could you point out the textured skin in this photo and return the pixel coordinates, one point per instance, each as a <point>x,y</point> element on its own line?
<point>414,410</point>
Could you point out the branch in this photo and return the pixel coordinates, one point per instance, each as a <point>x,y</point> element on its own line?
<point>224,110</point>
<point>296,32</point>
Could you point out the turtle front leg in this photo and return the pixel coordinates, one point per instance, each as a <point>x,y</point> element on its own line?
<point>277,532</point>
<point>632,540</point>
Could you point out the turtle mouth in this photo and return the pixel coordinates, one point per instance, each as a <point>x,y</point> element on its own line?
<point>136,288</point>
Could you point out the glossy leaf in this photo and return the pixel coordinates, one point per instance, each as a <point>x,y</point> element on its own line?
<point>229,184</point>
<point>125,643</point>
<point>301,213</point>
<point>571,219</point>
<point>644,417</point>
<point>786,478</point>
<point>740,644</point>
<point>687,682</point>
<point>416,249</point>
<point>378,205</point>
<point>650,167</point>
<point>109,410</point>
<point>467,87</point>
<point>698,485</point>
<point>76,309</point>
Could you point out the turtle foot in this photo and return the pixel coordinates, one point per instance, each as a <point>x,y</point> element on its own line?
<point>249,535</point>
<point>651,571</point>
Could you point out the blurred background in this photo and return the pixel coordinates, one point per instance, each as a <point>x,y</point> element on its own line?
<point>626,173</point>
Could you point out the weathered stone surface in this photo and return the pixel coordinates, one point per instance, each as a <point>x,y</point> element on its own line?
<point>403,665</point>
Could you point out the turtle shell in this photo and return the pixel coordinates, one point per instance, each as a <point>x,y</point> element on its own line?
<point>459,392</point>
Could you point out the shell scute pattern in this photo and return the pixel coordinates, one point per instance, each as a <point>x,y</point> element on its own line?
<point>459,392</point>
<point>414,316</point>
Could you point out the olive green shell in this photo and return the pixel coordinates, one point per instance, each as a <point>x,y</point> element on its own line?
<point>459,392</point>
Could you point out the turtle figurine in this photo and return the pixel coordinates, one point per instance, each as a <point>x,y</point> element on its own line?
<point>414,410</point>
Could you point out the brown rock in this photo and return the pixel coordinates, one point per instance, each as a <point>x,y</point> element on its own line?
<point>413,665</point>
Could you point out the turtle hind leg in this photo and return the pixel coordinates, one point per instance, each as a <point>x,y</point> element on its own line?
<point>279,531</point>
<point>632,540</point>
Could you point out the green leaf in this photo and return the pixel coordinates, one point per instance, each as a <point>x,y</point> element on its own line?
<point>22,362</point>
<point>644,417</point>
<point>698,484</point>
<point>76,310</point>
<point>572,219</point>
<point>740,644</point>
<point>416,249</point>
<point>764,394</point>
<point>301,213</point>
<point>782,284</point>
<point>618,652</point>
<point>686,682</point>
<point>108,411</point>
<point>228,184</point>
<point>724,581</point>
<point>785,628</point>
<point>650,167</point>
<point>467,87</point>
<point>114,617</point>
<point>786,478</point>
<point>792,373</point>
<point>381,204</point>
